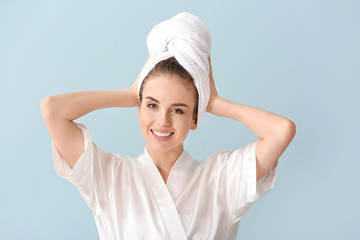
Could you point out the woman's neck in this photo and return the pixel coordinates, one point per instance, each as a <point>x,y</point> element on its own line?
<point>164,160</point>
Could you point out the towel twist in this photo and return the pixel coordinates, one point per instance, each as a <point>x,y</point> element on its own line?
<point>185,37</point>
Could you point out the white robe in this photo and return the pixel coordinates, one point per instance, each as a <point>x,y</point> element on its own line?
<point>130,200</point>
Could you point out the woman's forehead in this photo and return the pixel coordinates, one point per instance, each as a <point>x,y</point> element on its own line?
<point>169,85</point>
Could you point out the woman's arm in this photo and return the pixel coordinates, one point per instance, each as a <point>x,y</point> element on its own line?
<point>275,132</point>
<point>59,111</point>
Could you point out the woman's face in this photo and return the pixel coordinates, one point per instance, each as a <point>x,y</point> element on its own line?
<point>166,113</point>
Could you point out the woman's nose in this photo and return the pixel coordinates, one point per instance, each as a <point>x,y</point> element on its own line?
<point>165,119</point>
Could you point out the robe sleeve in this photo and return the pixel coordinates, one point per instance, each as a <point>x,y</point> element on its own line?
<point>89,173</point>
<point>237,185</point>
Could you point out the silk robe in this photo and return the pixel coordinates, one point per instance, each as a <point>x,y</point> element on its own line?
<point>130,200</point>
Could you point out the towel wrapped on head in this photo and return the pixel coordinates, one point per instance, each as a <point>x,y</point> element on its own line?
<point>185,37</point>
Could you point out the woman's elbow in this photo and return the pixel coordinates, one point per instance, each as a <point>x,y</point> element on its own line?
<point>288,130</point>
<point>48,107</point>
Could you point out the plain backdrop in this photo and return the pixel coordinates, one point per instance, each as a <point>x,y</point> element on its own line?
<point>299,59</point>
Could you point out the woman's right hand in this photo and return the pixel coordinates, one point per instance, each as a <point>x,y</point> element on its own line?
<point>134,87</point>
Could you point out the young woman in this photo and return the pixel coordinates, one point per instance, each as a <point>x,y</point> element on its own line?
<point>164,193</point>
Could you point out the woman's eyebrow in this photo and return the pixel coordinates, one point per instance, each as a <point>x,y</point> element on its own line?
<point>179,105</point>
<point>152,99</point>
<point>174,104</point>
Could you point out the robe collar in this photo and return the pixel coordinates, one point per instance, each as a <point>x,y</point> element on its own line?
<point>161,194</point>
<point>180,174</point>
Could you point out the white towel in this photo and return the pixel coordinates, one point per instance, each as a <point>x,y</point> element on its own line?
<point>186,38</point>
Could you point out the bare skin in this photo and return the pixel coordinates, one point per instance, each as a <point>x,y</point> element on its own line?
<point>59,111</point>
<point>167,108</point>
<point>275,132</point>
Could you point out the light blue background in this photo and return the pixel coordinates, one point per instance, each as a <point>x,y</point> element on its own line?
<point>299,59</point>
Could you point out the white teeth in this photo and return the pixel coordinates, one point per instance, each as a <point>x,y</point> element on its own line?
<point>159,134</point>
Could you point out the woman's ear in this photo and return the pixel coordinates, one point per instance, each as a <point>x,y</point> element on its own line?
<point>193,125</point>
<point>138,106</point>
<point>138,102</point>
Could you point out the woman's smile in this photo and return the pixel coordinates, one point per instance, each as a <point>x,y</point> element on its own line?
<point>161,135</point>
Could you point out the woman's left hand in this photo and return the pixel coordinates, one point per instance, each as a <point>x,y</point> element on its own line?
<point>213,92</point>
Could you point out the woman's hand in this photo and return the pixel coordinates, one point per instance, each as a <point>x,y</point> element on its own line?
<point>214,96</point>
<point>134,87</point>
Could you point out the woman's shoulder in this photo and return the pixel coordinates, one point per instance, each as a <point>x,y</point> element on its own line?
<point>223,156</point>
<point>113,157</point>
<point>97,149</point>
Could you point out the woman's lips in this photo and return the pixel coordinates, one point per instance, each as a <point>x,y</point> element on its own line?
<point>161,135</point>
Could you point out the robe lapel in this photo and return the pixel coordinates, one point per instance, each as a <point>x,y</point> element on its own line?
<point>181,175</point>
<point>162,197</point>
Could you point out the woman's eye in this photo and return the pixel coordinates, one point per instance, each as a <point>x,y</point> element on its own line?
<point>178,111</point>
<point>151,105</point>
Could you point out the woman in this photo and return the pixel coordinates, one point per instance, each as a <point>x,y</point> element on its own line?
<point>164,193</point>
